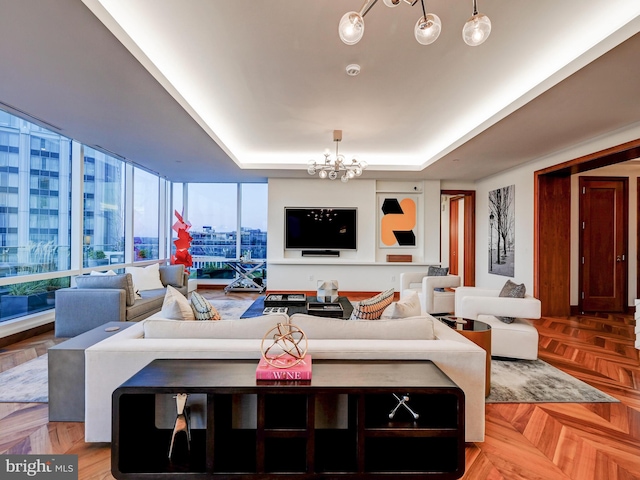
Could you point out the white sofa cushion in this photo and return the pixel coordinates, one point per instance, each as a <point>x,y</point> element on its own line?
<point>226,329</point>
<point>176,306</point>
<point>412,328</point>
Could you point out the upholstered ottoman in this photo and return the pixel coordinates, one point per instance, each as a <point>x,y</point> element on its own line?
<point>513,340</point>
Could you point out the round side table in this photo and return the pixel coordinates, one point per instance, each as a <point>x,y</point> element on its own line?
<point>479,333</point>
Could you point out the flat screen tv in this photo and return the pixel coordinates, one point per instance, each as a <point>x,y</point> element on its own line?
<point>320,228</point>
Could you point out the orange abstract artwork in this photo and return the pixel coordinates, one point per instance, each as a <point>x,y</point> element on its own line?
<point>398,222</point>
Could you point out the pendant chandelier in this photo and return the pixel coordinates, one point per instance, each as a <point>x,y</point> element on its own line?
<point>332,168</point>
<point>426,30</point>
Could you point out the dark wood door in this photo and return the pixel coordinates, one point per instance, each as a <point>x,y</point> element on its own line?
<point>454,235</point>
<point>603,243</point>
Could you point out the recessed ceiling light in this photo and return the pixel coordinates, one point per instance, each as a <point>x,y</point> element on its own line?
<point>353,69</point>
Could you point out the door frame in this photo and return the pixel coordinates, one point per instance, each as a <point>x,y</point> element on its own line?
<point>469,234</point>
<point>624,281</point>
<point>454,233</point>
<point>552,229</point>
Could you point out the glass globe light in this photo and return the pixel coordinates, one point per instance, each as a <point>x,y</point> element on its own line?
<point>351,173</point>
<point>323,174</point>
<point>476,30</point>
<point>344,178</point>
<point>427,29</point>
<point>351,28</point>
<point>311,167</point>
<point>333,175</point>
<point>391,3</point>
<point>363,165</point>
<point>357,172</point>
<point>340,159</point>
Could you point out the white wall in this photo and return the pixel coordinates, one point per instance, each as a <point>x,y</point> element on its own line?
<point>522,178</point>
<point>365,269</point>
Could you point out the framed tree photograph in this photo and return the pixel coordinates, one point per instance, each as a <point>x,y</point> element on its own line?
<point>502,241</point>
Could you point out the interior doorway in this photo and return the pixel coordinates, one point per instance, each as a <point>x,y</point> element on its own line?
<point>552,238</point>
<point>603,234</point>
<point>456,253</point>
<point>461,230</point>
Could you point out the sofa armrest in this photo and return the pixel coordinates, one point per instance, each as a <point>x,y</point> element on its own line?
<point>408,278</point>
<point>471,307</point>
<point>78,310</point>
<point>443,281</point>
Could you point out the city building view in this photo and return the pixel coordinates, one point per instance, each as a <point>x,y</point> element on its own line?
<point>45,177</point>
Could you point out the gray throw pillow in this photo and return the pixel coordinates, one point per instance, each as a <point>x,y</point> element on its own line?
<point>123,282</point>
<point>438,272</point>
<point>513,290</point>
<point>172,275</point>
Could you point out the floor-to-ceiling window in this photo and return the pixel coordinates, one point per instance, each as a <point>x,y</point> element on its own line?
<point>146,191</point>
<point>229,221</point>
<point>253,226</point>
<point>35,215</point>
<point>66,209</point>
<point>104,209</point>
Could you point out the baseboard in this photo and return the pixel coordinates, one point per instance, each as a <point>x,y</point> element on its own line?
<point>575,310</point>
<point>24,329</point>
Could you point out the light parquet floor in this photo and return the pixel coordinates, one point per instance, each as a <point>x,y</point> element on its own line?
<point>566,441</point>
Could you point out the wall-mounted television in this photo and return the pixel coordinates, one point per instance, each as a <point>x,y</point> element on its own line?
<point>320,228</point>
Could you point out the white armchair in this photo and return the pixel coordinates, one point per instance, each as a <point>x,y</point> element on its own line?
<point>518,339</point>
<point>431,301</point>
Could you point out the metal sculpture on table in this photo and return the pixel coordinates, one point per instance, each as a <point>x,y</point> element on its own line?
<point>182,423</point>
<point>403,402</point>
<point>288,346</point>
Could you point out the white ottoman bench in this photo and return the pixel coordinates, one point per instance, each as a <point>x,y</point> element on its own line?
<point>513,340</point>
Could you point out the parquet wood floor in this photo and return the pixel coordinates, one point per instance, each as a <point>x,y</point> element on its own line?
<point>565,441</point>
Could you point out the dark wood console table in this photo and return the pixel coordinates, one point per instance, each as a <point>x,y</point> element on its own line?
<point>285,442</point>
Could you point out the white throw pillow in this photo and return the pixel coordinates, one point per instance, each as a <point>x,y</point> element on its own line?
<point>407,306</point>
<point>176,306</point>
<point>145,278</point>
<point>108,272</point>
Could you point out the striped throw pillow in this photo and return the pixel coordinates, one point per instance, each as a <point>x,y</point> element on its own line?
<point>202,309</point>
<point>372,308</point>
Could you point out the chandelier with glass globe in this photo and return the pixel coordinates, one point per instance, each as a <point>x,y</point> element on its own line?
<point>332,168</point>
<point>426,30</point>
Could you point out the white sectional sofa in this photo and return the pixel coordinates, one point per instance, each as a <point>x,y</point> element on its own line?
<point>110,362</point>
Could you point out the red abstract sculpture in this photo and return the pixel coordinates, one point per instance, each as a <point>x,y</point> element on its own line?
<point>183,243</point>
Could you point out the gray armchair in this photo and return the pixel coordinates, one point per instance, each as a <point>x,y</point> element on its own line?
<point>98,299</point>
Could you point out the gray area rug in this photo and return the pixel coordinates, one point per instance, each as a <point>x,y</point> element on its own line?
<point>535,381</point>
<point>512,381</point>
<point>25,383</point>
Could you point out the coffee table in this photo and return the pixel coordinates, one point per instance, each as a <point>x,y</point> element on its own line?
<point>256,308</point>
<point>380,438</point>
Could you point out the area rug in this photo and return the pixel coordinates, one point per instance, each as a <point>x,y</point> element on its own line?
<point>25,383</point>
<point>535,381</point>
<point>231,309</point>
<point>512,381</point>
